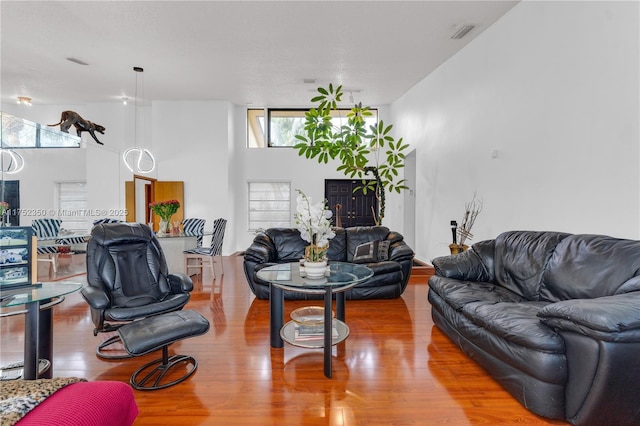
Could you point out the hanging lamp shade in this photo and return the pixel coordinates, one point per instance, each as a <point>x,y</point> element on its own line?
<point>10,161</point>
<point>139,160</point>
<point>136,158</point>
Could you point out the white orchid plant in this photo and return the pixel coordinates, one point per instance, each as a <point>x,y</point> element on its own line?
<point>312,220</point>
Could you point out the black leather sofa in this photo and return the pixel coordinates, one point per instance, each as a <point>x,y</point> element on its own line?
<point>553,317</point>
<point>280,245</point>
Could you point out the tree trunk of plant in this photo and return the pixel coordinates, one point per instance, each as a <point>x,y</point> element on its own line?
<point>380,194</point>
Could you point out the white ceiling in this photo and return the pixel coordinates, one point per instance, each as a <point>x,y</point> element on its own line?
<point>248,52</point>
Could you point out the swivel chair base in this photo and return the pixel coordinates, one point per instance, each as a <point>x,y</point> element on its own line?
<point>151,376</point>
<point>158,332</point>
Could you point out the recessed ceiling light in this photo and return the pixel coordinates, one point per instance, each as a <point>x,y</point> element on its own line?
<point>23,100</point>
<point>77,61</point>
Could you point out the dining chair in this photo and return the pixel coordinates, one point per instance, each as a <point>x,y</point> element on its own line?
<point>202,255</point>
<point>106,220</point>
<point>194,227</point>
<point>47,229</point>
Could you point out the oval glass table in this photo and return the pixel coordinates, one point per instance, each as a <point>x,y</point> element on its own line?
<point>340,277</point>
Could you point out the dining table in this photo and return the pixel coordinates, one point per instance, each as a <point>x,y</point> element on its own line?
<point>173,246</point>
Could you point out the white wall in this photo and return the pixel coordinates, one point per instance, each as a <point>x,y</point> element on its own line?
<point>191,144</point>
<point>554,88</point>
<point>106,173</point>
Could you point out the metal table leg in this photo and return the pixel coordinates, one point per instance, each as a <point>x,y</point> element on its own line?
<point>276,315</point>
<point>31,325</point>
<point>340,309</point>
<point>328,331</point>
<point>45,340</point>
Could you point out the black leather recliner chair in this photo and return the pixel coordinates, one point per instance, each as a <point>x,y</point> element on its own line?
<point>128,280</point>
<point>280,245</point>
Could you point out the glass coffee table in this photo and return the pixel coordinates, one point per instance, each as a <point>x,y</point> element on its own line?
<point>38,332</point>
<point>340,277</point>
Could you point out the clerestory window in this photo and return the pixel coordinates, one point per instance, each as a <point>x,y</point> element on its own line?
<point>279,126</point>
<point>20,133</point>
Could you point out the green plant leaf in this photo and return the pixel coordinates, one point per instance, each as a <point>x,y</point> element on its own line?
<point>357,146</point>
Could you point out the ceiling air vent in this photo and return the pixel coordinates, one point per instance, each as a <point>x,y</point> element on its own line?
<point>462,31</point>
<point>77,61</point>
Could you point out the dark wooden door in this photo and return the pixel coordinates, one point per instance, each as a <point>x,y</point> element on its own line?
<point>349,208</point>
<point>10,192</point>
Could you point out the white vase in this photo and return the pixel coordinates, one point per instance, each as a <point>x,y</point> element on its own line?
<point>315,269</point>
<point>162,228</point>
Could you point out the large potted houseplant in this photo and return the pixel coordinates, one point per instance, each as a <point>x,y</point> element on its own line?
<point>361,151</point>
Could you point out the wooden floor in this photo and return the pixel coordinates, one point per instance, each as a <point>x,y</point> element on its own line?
<point>395,368</point>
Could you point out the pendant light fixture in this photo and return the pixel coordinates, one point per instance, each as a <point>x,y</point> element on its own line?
<point>138,160</point>
<point>10,161</point>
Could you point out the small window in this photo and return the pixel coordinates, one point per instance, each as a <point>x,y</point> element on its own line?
<point>71,203</point>
<point>255,128</point>
<point>269,205</point>
<point>283,125</point>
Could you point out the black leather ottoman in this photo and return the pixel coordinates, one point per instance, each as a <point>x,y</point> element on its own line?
<point>158,332</point>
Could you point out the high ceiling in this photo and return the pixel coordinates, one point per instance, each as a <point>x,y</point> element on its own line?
<point>248,52</point>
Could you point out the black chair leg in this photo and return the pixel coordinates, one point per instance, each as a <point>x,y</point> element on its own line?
<point>102,351</point>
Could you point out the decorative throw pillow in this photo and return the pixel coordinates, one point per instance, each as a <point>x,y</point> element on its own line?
<point>383,250</point>
<point>373,251</point>
<point>366,253</point>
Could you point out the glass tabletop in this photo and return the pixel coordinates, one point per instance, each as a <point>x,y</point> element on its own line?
<point>340,274</point>
<point>37,292</point>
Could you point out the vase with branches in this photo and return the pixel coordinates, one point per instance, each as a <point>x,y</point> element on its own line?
<point>463,231</point>
<point>361,151</point>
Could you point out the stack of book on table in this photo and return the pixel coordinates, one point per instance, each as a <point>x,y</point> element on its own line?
<point>316,332</point>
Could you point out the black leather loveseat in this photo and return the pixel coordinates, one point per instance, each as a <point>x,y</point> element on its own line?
<point>280,245</point>
<point>553,317</point>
